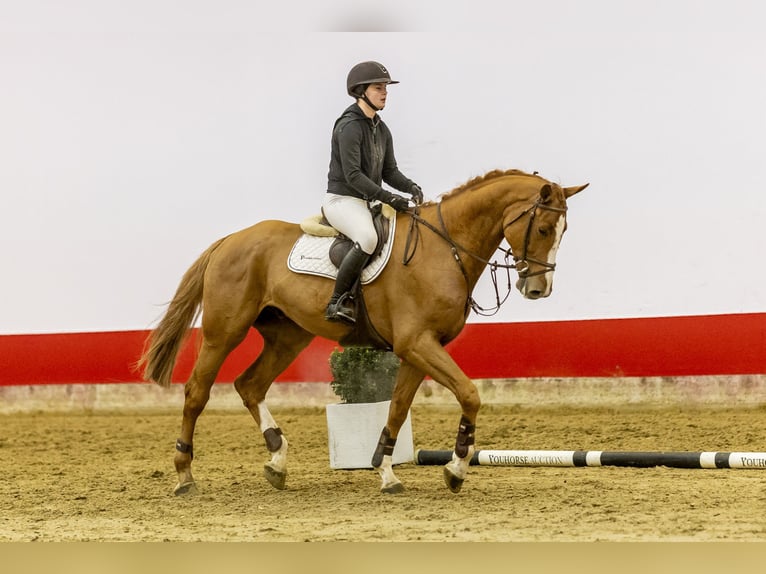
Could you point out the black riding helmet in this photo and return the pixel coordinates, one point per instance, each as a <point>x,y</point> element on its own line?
<point>364,74</point>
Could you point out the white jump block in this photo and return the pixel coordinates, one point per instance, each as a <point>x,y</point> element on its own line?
<point>353,431</point>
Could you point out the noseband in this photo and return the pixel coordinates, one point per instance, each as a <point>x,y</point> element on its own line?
<point>521,264</point>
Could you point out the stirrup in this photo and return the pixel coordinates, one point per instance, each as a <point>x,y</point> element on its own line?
<point>338,312</point>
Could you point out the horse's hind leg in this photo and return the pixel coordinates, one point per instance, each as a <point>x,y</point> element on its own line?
<point>283,340</point>
<point>196,396</point>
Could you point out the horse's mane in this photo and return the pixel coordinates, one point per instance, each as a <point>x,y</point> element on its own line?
<point>481,179</point>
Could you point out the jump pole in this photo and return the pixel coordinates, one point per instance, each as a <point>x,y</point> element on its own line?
<point>567,458</point>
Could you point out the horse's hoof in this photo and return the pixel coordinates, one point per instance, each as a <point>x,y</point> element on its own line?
<point>453,482</point>
<point>276,478</point>
<point>394,488</point>
<point>185,489</point>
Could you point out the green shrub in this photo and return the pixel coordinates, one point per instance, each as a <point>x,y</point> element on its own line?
<point>363,374</point>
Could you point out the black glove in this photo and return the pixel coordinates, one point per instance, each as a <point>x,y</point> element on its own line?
<point>417,194</point>
<point>398,203</point>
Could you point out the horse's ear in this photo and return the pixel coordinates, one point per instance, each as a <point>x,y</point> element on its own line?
<point>545,193</point>
<point>570,191</point>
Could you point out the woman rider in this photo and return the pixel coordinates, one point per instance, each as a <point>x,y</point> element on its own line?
<point>362,157</point>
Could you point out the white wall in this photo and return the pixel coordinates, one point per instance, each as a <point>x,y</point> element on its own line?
<point>133,134</point>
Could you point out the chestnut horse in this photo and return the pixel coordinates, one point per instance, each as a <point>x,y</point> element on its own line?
<point>418,303</point>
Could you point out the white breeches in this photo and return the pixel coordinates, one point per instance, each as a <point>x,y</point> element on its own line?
<point>351,216</point>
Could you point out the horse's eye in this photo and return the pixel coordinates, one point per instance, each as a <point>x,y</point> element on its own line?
<point>544,231</point>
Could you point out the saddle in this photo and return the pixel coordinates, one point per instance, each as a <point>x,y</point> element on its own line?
<point>320,227</point>
<point>363,332</point>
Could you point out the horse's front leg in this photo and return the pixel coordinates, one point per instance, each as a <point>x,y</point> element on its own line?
<point>428,355</point>
<point>407,382</point>
<point>456,470</point>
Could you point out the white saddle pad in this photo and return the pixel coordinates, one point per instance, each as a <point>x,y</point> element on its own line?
<point>311,255</point>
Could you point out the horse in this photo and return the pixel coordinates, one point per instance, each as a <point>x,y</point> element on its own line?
<point>418,304</point>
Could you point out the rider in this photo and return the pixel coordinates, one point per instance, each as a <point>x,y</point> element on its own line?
<point>362,157</point>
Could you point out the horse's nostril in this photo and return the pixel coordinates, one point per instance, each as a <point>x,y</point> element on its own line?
<point>534,294</point>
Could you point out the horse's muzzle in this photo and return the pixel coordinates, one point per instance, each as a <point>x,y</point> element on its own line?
<point>536,287</point>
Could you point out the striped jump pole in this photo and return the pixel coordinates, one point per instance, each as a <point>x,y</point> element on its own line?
<point>741,460</point>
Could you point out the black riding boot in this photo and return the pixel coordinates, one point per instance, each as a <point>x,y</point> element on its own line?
<point>348,272</point>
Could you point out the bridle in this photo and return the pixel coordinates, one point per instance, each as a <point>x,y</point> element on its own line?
<point>525,259</point>
<point>520,263</point>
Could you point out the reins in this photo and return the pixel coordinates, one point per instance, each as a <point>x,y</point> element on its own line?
<point>414,234</point>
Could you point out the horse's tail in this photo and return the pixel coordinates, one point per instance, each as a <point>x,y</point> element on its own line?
<point>164,342</point>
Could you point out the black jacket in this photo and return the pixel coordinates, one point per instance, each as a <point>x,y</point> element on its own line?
<point>362,157</point>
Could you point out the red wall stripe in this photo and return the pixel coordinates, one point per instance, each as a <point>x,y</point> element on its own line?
<point>665,346</point>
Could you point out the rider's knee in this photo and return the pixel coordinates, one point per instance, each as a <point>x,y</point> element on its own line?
<point>368,242</point>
